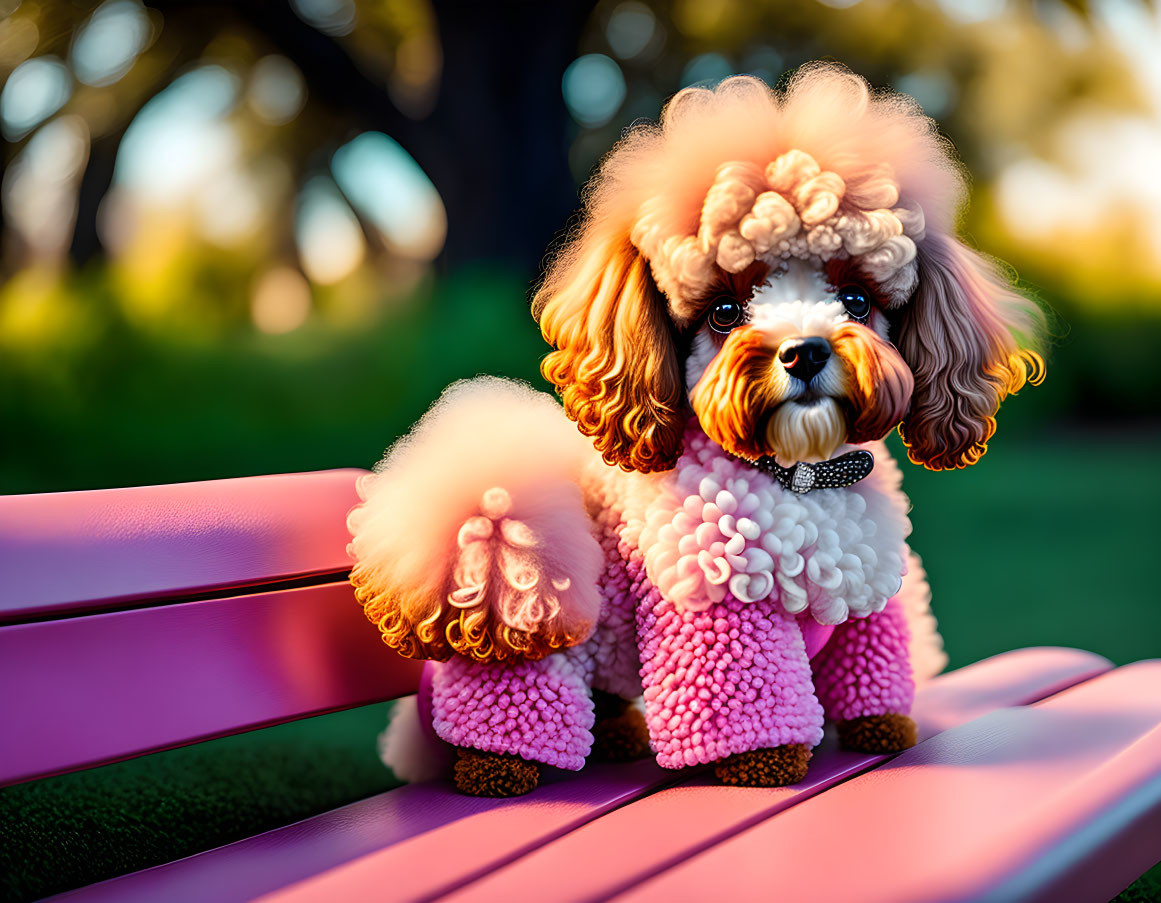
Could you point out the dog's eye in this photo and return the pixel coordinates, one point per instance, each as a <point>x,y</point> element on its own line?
<point>725,315</point>
<point>857,301</point>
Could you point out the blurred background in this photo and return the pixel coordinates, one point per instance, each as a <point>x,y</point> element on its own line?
<point>261,236</point>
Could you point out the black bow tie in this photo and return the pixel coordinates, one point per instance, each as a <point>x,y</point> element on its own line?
<point>845,470</point>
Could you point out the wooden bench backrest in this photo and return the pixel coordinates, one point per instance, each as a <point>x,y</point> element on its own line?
<point>135,620</point>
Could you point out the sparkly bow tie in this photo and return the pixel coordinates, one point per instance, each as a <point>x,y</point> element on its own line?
<point>845,470</point>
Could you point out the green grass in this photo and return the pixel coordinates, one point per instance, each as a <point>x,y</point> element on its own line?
<point>129,408</point>
<point>1049,540</point>
<point>75,829</point>
<point>1146,889</point>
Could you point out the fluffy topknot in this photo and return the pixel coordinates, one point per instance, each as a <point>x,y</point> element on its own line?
<point>878,148</point>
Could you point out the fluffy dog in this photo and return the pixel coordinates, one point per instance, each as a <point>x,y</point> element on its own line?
<point>761,288</point>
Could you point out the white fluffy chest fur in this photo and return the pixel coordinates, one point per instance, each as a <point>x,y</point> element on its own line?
<point>716,523</point>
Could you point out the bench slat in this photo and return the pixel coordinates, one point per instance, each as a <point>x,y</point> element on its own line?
<point>406,825</point>
<point>1046,802</point>
<point>91,689</point>
<point>638,841</point>
<point>370,836</point>
<point>85,551</point>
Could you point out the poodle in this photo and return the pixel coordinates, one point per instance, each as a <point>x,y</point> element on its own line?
<point>702,553</point>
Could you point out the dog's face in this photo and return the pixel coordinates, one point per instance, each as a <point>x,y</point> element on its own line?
<point>784,269</point>
<point>792,360</point>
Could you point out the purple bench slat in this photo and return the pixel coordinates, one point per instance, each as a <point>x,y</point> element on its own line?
<point>638,841</point>
<point>75,551</point>
<point>97,688</point>
<point>369,835</point>
<point>403,836</point>
<point>423,866</point>
<point>1055,801</point>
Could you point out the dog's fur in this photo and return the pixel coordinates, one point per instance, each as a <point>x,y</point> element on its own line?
<point>473,540</point>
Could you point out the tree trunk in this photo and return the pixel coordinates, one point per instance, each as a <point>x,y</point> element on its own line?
<point>501,117</point>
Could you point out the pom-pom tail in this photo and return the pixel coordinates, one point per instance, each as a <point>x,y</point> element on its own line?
<point>472,537</point>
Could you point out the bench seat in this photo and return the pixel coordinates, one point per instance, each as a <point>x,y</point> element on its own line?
<point>1037,775</point>
<point>638,821</point>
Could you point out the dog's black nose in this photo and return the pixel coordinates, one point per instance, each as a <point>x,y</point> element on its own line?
<point>803,358</point>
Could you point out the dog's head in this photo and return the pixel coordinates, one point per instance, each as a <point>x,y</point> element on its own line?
<point>785,266</point>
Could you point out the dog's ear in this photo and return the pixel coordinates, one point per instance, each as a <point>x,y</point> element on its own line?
<point>962,334</point>
<point>615,359</point>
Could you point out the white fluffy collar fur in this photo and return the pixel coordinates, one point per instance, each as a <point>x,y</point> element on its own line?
<point>716,523</point>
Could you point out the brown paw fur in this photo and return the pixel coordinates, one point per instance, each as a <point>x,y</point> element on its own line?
<point>765,767</point>
<point>490,774</point>
<point>879,734</point>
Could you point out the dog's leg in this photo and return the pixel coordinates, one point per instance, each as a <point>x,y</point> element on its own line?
<point>507,720</point>
<point>863,678</point>
<point>729,685</point>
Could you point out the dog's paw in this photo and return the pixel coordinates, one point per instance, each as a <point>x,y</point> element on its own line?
<point>879,734</point>
<point>620,733</point>
<point>775,767</point>
<point>491,774</point>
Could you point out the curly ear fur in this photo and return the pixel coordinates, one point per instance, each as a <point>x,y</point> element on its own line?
<point>959,335</point>
<point>615,363</point>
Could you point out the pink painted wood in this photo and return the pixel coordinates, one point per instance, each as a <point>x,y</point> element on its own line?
<point>389,838</point>
<point>709,815</point>
<point>401,835</point>
<point>1057,801</point>
<point>97,688</point>
<point>76,551</point>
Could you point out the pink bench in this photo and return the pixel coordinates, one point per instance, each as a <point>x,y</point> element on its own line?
<point>155,617</point>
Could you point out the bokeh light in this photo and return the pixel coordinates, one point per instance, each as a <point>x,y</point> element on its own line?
<point>329,239</point>
<point>180,140</point>
<point>109,43</point>
<point>334,17</point>
<point>387,186</point>
<point>631,30</point>
<point>40,187</point>
<point>764,62</point>
<point>228,210</point>
<point>35,90</point>
<point>18,39</point>
<point>281,301</point>
<point>1097,186</point>
<point>706,69</point>
<point>971,11</point>
<point>594,89</point>
<point>932,89</point>
<point>276,91</point>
